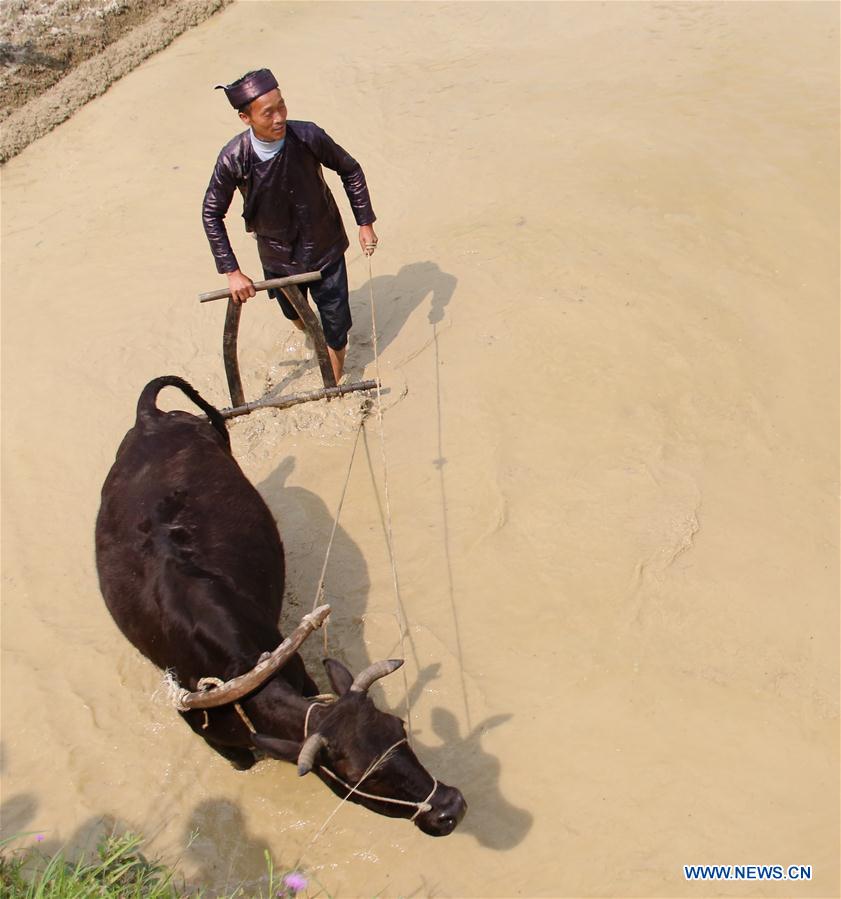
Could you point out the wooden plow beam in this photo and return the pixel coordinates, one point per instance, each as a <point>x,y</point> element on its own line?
<point>230,336</point>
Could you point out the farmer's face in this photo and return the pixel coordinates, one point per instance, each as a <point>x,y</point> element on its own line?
<point>267,116</point>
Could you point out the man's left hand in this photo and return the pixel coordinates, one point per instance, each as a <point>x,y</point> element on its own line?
<point>368,239</point>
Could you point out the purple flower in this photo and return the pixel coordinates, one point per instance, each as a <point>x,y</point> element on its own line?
<point>295,882</point>
<point>39,838</point>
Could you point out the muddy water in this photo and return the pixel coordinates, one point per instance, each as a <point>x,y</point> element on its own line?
<point>606,295</point>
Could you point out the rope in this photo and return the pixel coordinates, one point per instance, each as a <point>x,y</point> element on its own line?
<point>319,590</point>
<point>399,615</point>
<point>310,707</point>
<point>218,682</point>
<point>401,619</point>
<point>421,806</point>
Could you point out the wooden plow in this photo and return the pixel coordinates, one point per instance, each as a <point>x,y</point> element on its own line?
<point>313,328</point>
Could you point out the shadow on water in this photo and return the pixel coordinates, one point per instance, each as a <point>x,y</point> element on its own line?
<point>17,812</point>
<point>491,818</point>
<point>223,855</point>
<point>395,297</point>
<point>305,523</point>
<point>219,844</point>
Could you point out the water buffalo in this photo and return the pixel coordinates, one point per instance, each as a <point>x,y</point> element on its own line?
<point>192,570</point>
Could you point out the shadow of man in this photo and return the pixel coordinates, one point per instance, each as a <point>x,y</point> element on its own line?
<point>305,523</point>
<point>225,855</point>
<point>396,297</point>
<point>17,812</point>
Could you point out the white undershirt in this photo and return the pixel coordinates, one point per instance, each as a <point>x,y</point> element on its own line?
<point>266,149</point>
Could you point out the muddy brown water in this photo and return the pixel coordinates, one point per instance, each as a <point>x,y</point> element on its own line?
<point>606,294</point>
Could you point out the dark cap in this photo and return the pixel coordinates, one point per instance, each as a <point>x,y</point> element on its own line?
<point>249,87</point>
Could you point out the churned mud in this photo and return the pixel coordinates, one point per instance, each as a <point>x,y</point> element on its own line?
<point>606,293</point>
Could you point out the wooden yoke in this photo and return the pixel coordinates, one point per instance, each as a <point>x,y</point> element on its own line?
<point>301,306</point>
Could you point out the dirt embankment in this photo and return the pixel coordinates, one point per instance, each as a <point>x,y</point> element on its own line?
<point>41,41</point>
<point>56,56</point>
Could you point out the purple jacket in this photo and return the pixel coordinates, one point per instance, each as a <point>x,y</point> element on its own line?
<point>286,202</point>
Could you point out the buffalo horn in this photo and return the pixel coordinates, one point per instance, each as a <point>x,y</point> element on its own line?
<point>373,673</point>
<point>238,687</point>
<point>310,749</point>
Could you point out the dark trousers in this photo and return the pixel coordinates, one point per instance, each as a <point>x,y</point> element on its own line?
<point>330,295</point>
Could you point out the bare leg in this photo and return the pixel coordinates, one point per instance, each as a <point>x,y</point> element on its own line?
<point>337,360</point>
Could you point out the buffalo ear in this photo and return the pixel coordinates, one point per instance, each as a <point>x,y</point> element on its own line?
<point>285,750</point>
<point>340,678</point>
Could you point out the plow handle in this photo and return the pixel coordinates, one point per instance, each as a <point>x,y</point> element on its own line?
<point>224,294</point>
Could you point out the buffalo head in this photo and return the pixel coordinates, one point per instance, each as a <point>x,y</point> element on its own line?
<point>362,753</point>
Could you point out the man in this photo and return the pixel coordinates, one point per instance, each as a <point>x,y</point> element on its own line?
<point>276,166</point>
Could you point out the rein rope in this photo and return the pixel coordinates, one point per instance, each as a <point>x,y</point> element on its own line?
<point>218,682</point>
<point>354,791</point>
<point>319,592</point>
<point>398,603</point>
<point>424,806</point>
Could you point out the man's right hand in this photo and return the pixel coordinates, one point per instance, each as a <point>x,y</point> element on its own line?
<point>241,286</point>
